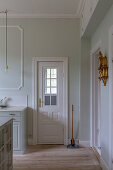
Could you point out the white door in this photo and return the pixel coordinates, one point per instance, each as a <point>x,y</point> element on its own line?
<point>50,103</point>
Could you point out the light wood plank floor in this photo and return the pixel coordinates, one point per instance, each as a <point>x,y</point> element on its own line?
<point>56,157</point>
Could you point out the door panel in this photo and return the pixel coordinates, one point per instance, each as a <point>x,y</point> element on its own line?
<point>50,102</point>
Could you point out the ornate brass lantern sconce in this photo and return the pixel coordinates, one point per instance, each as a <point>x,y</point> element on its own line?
<point>103,68</point>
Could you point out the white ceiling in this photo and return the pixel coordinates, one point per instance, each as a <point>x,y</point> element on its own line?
<point>42,8</point>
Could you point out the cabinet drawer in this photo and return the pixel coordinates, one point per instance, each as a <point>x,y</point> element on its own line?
<point>18,114</point>
<point>12,114</point>
<point>15,116</point>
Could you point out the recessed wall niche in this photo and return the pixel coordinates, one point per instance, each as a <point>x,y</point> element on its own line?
<point>12,79</point>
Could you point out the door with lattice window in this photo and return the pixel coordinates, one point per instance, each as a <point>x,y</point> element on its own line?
<point>50,103</point>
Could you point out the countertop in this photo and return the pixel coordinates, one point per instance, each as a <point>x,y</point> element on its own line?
<point>13,109</point>
<point>3,122</point>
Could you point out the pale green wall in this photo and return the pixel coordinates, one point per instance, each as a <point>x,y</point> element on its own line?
<point>102,34</point>
<point>14,58</point>
<point>85,90</point>
<point>50,38</point>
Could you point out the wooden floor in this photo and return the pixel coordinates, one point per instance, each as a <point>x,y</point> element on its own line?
<point>56,157</point>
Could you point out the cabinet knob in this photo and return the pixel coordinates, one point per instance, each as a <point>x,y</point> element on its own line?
<point>12,114</point>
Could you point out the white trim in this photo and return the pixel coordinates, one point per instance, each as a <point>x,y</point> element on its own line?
<point>39,15</point>
<point>81,7</point>
<point>65,97</point>
<point>110,95</point>
<point>92,93</point>
<point>85,144</point>
<point>98,150</point>
<point>22,57</point>
<point>97,46</point>
<point>77,14</point>
<point>103,164</point>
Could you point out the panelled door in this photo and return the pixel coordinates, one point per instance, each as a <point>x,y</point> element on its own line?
<point>50,103</point>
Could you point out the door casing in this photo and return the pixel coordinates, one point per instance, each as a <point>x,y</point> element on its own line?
<point>35,93</point>
<point>110,98</point>
<point>92,94</point>
<point>50,117</point>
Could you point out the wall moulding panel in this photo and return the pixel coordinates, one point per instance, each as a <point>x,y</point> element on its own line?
<point>20,75</point>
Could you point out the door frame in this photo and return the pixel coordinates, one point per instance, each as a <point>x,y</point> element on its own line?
<point>110,96</point>
<point>35,93</point>
<point>98,47</point>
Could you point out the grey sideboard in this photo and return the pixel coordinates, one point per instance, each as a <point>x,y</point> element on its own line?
<point>18,114</point>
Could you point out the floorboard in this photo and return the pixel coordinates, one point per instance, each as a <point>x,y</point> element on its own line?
<point>56,157</point>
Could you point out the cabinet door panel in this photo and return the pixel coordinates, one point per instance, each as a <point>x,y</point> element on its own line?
<point>16,136</point>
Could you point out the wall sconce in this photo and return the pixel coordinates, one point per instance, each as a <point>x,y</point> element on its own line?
<point>103,68</point>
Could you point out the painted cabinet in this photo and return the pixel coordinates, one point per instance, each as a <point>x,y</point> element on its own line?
<point>87,12</point>
<point>6,145</point>
<point>19,129</point>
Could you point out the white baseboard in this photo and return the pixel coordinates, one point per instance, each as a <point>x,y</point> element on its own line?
<point>81,143</point>
<point>103,164</point>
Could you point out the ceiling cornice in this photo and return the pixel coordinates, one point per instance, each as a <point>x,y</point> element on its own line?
<point>80,8</point>
<point>42,16</point>
<point>76,14</point>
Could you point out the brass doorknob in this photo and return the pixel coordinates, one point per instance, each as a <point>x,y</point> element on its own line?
<point>40,102</point>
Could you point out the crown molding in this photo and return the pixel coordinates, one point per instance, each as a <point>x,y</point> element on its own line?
<point>12,13</point>
<point>40,15</point>
<point>80,8</point>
